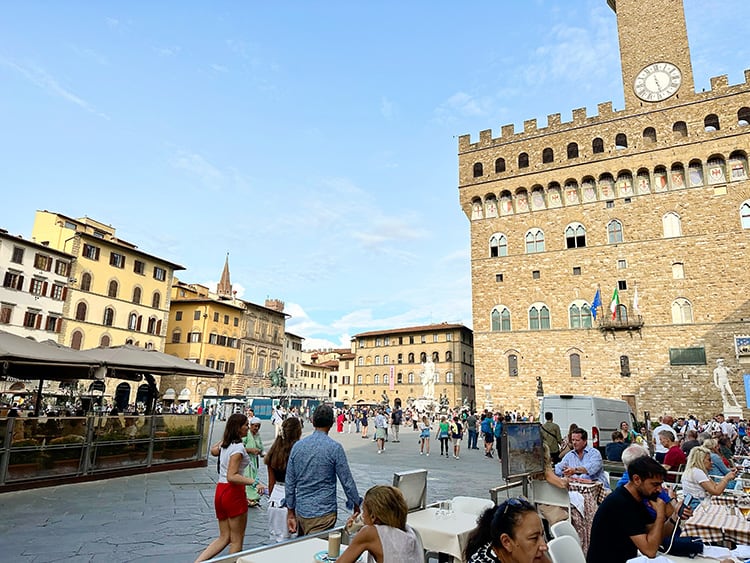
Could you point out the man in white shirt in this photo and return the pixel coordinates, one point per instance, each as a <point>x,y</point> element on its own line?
<point>659,449</point>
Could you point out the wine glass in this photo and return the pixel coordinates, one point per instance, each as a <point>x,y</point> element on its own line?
<point>743,503</point>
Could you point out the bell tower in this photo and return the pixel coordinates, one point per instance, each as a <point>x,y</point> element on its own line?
<point>654,52</point>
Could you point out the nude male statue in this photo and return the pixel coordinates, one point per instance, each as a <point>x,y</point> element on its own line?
<point>721,381</point>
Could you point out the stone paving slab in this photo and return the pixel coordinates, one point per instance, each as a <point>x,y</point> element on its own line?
<point>168,517</point>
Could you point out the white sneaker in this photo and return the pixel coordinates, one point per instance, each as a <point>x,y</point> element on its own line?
<point>428,454</point>
<point>421,453</point>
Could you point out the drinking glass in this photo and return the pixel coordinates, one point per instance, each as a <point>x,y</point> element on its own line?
<point>744,505</point>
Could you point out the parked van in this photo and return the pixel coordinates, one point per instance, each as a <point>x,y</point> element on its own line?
<point>598,416</point>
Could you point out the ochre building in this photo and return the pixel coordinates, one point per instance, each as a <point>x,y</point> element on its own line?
<point>652,201</point>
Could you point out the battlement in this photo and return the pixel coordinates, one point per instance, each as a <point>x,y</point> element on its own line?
<point>719,87</point>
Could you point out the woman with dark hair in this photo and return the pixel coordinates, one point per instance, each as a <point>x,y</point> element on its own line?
<point>276,460</point>
<point>510,532</point>
<point>230,502</point>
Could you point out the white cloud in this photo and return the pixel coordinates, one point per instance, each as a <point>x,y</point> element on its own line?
<point>112,22</point>
<point>169,51</point>
<point>219,68</point>
<point>47,82</point>
<point>196,165</point>
<point>462,105</point>
<point>386,108</point>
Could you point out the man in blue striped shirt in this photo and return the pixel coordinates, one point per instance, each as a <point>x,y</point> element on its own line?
<point>310,490</point>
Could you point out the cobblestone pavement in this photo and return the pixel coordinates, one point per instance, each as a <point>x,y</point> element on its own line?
<point>169,517</point>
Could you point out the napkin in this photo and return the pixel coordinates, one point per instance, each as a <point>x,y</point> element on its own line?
<point>716,551</point>
<point>742,552</point>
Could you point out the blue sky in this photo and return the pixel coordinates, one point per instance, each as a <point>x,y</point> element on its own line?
<point>314,141</point>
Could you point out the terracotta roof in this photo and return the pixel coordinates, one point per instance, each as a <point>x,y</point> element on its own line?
<point>422,328</point>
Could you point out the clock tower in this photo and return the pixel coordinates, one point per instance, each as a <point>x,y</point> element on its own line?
<point>654,52</point>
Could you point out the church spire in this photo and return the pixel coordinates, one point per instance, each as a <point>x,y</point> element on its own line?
<point>224,288</point>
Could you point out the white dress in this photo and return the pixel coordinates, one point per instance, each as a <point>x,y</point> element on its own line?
<point>399,546</point>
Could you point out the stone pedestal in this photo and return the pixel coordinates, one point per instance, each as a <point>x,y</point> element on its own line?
<point>732,412</point>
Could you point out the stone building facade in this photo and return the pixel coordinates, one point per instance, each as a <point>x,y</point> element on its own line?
<point>653,201</point>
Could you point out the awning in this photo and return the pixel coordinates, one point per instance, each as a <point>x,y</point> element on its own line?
<point>134,360</point>
<point>169,394</point>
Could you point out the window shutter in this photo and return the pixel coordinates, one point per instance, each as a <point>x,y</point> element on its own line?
<point>138,324</point>
<point>19,287</point>
<point>158,327</point>
<point>38,320</point>
<point>44,289</point>
<point>58,325</point>
<point>96,253</point>
<point>64,293</point>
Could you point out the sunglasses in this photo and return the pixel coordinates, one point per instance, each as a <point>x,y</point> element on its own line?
<point>515,503</point>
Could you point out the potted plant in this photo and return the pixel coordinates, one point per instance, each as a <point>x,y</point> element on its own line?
<point>181,443</point>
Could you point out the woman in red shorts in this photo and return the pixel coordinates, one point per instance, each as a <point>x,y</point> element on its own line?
<point>229,501</point>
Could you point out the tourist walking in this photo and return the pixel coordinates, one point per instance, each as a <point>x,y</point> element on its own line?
<point>457,434</point>
<point>276,459</point>
<point>254,448</point>
<point>443,435</point>
<point>381,424</point>
<point>424,436</point>
<point>230,502</point>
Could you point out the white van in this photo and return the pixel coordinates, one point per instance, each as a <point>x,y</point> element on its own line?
<point>598,416</point>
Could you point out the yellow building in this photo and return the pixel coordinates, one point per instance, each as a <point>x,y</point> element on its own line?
<point>391,362</point>
<point>117,293</point>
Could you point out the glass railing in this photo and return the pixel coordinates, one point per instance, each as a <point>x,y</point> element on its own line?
<point>53,447</point>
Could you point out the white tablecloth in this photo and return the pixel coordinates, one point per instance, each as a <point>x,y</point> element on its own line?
<point>301,551</point>
<point>444,534</point>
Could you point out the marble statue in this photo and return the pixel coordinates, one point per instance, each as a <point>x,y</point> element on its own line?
<point>721,381</point>
<point>428,379</point>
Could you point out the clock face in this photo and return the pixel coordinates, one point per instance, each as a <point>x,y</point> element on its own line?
<point>657,82</point>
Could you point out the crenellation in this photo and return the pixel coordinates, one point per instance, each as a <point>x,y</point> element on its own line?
<point>507,131</point>
<point>747,76</point>
<point>485,137</point>
<point>605,109</point>
<point>529,126</point>
<point>553,120</point>
<point>579,116</point>
<point>719,82</point>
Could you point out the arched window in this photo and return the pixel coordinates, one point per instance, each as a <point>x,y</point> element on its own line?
<point>548,155</point>
<point>498,245</point>
<point>534,241</point>
<point>737,166</point>
<point>449,356</point>
<point>156,300</point>
<point>105,341</point>
<point>176,335</point>
<point>539,317</point>
<point>614,231</point>
<point>76,340</point>
<point>621,314</point>
<point>575,365</point>
<point>151,327</point>
<point>386,359</point>
<point>478,169</point>
<point>500,319</point>
<point>679,129</point>
<point>523,160</point>
<point>386,379</point>
<point>435,357</point>
<point>132,321</point>
<point>711,123</point>
<point>682,311</point>
<point>113,287</point>
<point>137,295</point>
<point>743,117</point>
<point>109,316</point>
<point>597,145</point>
<point>376,379</point>
<point>672,225</point>
<point>621,141</point>
<point>81,311</point>
<point>377,360</point>
<point>575,236</point>
<point>677,175</point>
<point>580,315</point>
<point>745,214</point>
<point>499,165</point>
<point>86,282</point>
<point>513,365</point>
<point>360,361</point>
<point>422,357</point>
<point>716,170</point>
<point>695,173</point>
<point>649,135</point>
<point>410,357</point>
<point>572,150</point>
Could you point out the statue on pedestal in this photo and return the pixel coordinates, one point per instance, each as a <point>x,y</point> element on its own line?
<point>428,379</point>
<point>721,381</point>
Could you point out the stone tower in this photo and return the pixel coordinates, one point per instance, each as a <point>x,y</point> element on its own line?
<point>224,287</point>
<point>649,205</point>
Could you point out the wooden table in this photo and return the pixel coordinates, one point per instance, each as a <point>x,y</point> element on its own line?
<point>443,534</point>
<point>718,524</point>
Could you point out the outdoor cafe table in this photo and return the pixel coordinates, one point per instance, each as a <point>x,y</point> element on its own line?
<point>296,551</point>
<point>593,494</point>
<point>445,533</point>
<point>718,523</point>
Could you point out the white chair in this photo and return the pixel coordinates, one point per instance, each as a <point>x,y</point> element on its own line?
<point>471,505</point>
<point>565,549</point>
<point>545,493</point>
<point>564,528</point>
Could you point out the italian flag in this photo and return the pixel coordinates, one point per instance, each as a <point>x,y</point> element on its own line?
<point>614,304</point>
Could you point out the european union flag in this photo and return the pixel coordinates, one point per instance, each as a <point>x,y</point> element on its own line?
<point>596,303</point>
